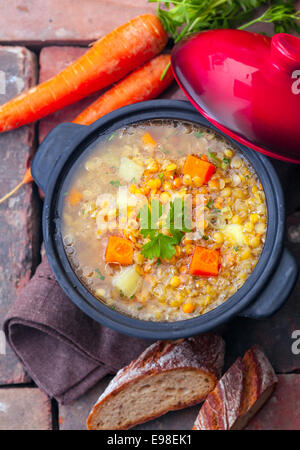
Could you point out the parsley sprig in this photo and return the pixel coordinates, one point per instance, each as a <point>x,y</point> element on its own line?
<point>161,245</point>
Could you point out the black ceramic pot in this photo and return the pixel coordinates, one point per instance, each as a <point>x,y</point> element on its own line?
<point>262,294</point>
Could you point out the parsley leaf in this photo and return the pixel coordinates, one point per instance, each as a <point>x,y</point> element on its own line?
<point>161,245</point>
<point>198,134</point>
<point>115,183</point>
<point>99,274</point>
<point>216,160</point>
<point>209,203</point>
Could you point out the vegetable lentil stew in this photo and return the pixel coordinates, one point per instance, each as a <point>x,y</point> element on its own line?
<point>163,220</point>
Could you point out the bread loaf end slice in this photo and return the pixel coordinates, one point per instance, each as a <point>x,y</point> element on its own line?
<point>169,375</point>
<point>239,394</point>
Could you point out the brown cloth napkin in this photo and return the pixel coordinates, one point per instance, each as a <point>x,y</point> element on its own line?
<point>63,350</point>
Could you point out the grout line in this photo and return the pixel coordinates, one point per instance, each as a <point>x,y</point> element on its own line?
<point>18,386</point>
<point>55,414</point>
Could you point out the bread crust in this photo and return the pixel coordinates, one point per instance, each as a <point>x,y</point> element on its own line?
<point>238,395</point>
<point>204,353</point>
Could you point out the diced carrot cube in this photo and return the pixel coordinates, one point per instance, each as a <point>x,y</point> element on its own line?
<point>196,167</point>
<point>147,139</point>
<point>119,250</point>
<point>205,262</point>
<point>74,197</point>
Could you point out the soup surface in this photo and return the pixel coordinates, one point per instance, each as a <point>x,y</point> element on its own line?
<point>163,221</point>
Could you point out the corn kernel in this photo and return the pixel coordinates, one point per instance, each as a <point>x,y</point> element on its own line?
<point>167,186</point>
<point>246,253</point>
<point>171,167</point>
<point>164,197</point>
<point>178,250</point>
<point>197,181</point>
<point>254,218</point>
<point>177,182</point>
<point>226,192</point>
<point>254,242</point>
<point>100,293</point>
<point>243,275</point>
<point>175,281</point>
<point>139,258</point>
<point>189,249</point>
<point>214,184</point>
<point>260,228</point>
<point>154,183</point>
<point>218,237</point>
<point>158,315</point>
<point>238,193</point>
<point>174,303</point>
<point>237,219</point>
<point>139,270</point>
<point>152,166</point>
<point>249,227</point>
<point>132,188</point>
<point>236,162</point>
<point>188,308</point>
<point>228,153</point>
<point>254,189</point>
<point>187,180</point>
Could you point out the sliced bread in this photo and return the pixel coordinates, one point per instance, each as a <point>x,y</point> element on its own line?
<point>169,375</point>
<point>239,394</point>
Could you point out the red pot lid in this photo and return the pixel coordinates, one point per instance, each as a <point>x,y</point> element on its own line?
<point>247,85</point>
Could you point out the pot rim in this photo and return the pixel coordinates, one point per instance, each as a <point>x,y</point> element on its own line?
<point>66,277</point>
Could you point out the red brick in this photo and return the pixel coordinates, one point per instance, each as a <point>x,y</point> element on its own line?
<point>24,409</point>
<point>282,411</point>
<point>73,416</point>
<point>19,216</point>
<point>40,22</point>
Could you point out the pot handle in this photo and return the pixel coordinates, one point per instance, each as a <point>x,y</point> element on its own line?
<point>57,143</point>
<point>277,291</point>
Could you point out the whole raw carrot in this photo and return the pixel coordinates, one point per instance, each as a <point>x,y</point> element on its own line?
<point>143,84</point>
<point>106,62</point>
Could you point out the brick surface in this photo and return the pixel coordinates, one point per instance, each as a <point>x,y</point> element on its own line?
<point>282,411</point>
<point>43,22</point>
<point>73,417</point>
<point>24,409</point>
<point>19,216</point>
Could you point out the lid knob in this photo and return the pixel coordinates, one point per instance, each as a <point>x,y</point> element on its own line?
<point>285,52</point>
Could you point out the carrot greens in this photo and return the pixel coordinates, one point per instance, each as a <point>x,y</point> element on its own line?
<point>181,18</point>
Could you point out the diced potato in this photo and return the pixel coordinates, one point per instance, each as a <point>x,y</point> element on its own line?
<point>129,171</point>
<point>110,159</point>
<point>234,233</point>
<point>127,281</point>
